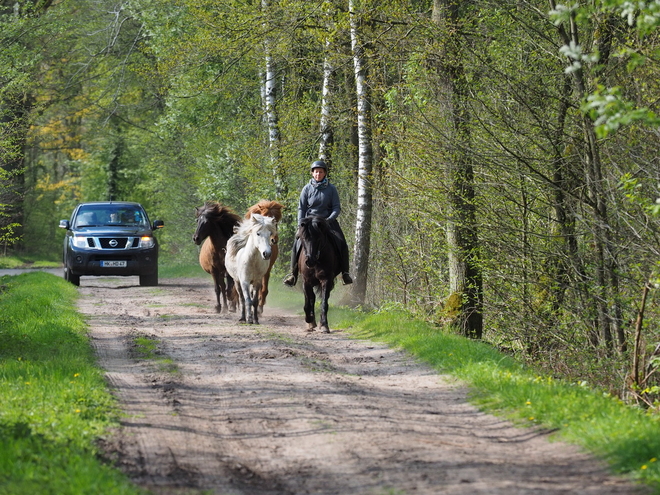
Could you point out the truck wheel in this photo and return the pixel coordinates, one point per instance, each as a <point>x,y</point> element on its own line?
<point>149,280</point>
<point>74,279</point>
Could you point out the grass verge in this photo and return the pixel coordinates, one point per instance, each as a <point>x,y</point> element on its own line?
<point>7,262</point>
<point>626,437</point>
<point>55,404</point>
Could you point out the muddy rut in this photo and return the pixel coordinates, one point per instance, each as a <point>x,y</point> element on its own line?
<point>224,408</point>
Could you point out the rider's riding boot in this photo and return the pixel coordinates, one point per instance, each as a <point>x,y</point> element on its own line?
<point>291,280</point>
<point>346,278</point>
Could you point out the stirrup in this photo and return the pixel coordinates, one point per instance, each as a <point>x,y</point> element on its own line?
<point>346,278</point>
<point>290,280</point>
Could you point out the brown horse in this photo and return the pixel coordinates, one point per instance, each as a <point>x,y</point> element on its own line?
<point>272,209</point>
<point>318,264</point>
<point>215,225</point>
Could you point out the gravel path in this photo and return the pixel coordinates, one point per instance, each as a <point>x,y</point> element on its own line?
<point>271,409</point>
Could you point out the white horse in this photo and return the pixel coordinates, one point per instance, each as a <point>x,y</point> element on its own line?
<point>248,258</point>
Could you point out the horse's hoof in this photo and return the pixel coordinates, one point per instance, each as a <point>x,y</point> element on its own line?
<point>311,327</point>
<point>325,329</point>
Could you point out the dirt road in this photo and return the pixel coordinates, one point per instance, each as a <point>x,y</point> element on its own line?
<point>272,409</point>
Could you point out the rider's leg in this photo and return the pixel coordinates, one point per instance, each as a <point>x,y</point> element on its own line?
<point>292,277</point>
<point>345,276</point>
<point>343,252</point>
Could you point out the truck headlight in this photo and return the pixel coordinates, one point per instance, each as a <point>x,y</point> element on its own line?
<point>147,241</point>
<point>80,241</point>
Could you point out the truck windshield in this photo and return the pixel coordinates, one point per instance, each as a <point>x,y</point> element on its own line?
<point>99,216</point>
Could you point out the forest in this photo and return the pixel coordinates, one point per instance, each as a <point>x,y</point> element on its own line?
<point>496,159</point>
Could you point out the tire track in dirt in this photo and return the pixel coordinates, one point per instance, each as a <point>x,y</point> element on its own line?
<point>271,409</point>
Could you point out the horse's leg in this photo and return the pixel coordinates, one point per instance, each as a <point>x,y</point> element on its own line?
<point>325,296</point>
<point>263,292</point>
<point>310,301</point>
<point>264,287</point>
<point>256,291</point>
<point>241,301</point>
<point>246,301</point>
<point>223,292</point>
<point>232,294</point>
<point>217,285</point>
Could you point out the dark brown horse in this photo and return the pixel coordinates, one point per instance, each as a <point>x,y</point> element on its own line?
<point>318,265</point>
<point>215,225</point>
<point>272,209</point>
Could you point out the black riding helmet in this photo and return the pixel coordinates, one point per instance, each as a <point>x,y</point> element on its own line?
<point>318,164</point>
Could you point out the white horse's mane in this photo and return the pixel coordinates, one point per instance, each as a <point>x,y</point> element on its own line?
<point>244,230</point>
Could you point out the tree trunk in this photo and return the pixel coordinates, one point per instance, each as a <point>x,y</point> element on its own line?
<point>603,247</point>
<point>465,278</point>
<point>365,165</point>
<point>269,94</point>
<point>326,130</point>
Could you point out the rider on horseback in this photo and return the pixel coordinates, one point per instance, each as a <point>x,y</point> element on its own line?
<point>320,198</point>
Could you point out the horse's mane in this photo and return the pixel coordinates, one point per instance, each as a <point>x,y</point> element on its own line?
<point>266,208</point>
<point>314,228</point>
<point>221,215</point>
<point>244,230</point>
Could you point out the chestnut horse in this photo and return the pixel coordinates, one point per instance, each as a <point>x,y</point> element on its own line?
<point>215,225</point>
<point>318,264</point>
<point>247,260</point>
<point>272,209</point>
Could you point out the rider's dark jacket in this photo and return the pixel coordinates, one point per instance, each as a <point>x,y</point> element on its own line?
<point>320,199</point>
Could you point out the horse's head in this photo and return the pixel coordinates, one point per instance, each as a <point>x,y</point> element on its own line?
<point>313,232</point>
<point>203,225</point>
<point>266,208</point>
<point>211,218</point>
<point>264,234</point>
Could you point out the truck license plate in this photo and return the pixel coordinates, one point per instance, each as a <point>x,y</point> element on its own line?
<point>113,264</point>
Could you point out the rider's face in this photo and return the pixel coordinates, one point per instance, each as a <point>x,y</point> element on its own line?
<point>318,174</point>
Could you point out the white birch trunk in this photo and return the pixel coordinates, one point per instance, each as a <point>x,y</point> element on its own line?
<point>326,130</point>
<point>365,164</point>
<point>269,95</point>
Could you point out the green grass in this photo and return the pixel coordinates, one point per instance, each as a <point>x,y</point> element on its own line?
<point>27,262</point>
<point>174,271</point>
<point>147,348</point>
<point>54,400</point>
<point>625,436</point>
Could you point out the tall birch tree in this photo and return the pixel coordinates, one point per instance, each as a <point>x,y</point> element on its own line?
<point>269,93</point>
<point>362,246</point>
<point>326,130</point>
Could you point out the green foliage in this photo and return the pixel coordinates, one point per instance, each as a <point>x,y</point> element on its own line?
<point>609,107</point>
<point>162,104</point>
<point>55,404</point>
